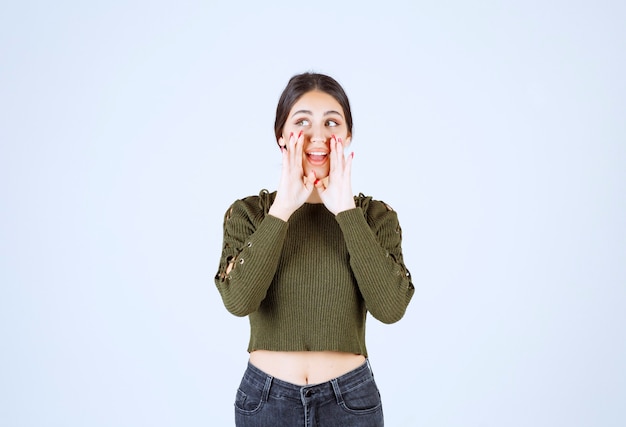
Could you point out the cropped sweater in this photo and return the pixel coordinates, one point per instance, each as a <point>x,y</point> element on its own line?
<point>307,283</point>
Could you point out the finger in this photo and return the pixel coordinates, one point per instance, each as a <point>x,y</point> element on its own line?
<point>340,156</point>
<point>291,145</point>
<point>348,166</point>
<point>317,182</point>
<point>285,164</point>
<point>310,180</point>
<point>285,156</point>
<point>297,151</point>
<point>334,160</point>
<point>295,166</point>
<point>298,143</point>
<point>322,184</point>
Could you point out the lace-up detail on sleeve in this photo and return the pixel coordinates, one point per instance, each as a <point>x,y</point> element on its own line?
<point>265,201</point>
<point>250,252</point>
<point>362,201</point>
<point>374,241</point>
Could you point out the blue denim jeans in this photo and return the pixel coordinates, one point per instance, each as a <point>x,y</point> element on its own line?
<point>351,400</point>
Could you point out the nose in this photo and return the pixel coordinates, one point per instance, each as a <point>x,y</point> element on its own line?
<point>318,139</point>
<point>319,134</point>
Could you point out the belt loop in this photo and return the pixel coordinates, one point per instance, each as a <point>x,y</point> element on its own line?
<point>337,391</point>
<point>266,388</point>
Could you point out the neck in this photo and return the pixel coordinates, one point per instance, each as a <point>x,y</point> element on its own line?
<point>314,197</point>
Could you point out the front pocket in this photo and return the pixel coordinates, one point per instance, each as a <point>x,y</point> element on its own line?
<point>249,402</point>
<point>363,399</point>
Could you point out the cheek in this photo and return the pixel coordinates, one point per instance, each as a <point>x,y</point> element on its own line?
<point>287,130</point>
<point>342,133</point>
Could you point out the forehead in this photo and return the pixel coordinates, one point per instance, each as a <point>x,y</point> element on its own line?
<point>316,102</point>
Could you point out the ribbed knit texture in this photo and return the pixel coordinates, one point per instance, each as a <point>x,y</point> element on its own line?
<point>307,284</point>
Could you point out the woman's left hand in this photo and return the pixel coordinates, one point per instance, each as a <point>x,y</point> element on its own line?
<point>336,190</point>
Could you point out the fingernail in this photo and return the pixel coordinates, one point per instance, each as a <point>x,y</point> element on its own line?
<point>300,134</point>
<point>316,181</point>
<point>352,155</point>
<point>290,135</point>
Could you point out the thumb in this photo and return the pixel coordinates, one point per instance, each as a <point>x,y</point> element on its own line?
<point>311,181</point>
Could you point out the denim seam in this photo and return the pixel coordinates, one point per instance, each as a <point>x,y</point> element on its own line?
<point>337,391</point>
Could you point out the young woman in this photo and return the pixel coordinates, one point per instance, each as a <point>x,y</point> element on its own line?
<point>306,263</point>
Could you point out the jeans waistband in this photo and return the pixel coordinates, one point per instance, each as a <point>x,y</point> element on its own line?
<point>283,389</point>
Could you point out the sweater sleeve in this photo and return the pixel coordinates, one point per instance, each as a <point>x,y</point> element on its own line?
<point>374,244</point>
<point>251,251</point>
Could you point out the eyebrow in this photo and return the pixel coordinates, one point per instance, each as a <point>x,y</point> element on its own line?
<point>309,112</point>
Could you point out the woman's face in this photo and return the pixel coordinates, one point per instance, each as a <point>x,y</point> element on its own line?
<point>319,116</point>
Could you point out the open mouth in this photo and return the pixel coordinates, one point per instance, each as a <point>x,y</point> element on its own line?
<point>317,157</point>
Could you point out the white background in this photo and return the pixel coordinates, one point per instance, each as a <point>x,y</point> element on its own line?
<point>496,129</point>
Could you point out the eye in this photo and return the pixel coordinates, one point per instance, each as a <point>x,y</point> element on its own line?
<point>303,122</point>
<point>331,123</point>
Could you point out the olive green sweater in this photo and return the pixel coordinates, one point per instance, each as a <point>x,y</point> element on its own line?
<point>307,284</point>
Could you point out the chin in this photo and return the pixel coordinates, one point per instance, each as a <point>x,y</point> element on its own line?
<point>321,174</point>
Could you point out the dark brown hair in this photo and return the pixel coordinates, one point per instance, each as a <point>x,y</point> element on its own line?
<point>302,83</point>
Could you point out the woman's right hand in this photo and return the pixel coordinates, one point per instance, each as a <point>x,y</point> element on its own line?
<point>294,188</point>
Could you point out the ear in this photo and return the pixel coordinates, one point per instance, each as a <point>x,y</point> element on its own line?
<point>348,140</point>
